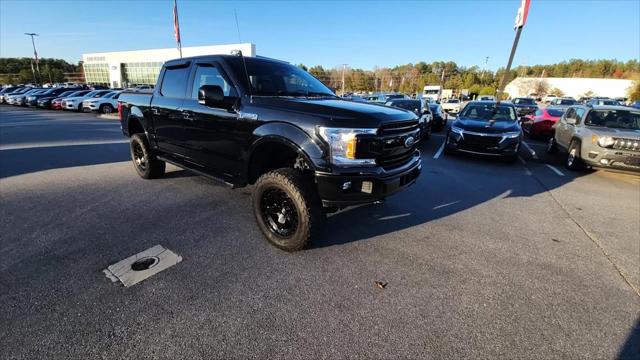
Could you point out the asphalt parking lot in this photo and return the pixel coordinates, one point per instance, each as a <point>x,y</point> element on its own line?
<point>482,259</point>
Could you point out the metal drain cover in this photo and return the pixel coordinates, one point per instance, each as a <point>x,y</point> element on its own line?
<point>138,267</point>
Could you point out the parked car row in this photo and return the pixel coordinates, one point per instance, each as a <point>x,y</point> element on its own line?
<point>62,98</point>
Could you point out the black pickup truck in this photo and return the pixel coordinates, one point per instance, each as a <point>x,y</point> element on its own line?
<point>253,120</point>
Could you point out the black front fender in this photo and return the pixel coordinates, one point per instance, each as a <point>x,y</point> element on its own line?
<point>294,137</point>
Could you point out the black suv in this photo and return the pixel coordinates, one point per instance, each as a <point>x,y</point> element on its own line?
<point>486,128</point>
<point>252,120</point>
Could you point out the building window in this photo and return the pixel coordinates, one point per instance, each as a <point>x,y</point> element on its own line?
<point>141,73</point>
<point>96,74</point>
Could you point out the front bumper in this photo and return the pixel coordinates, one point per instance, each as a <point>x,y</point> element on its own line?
<point>612,159</point>
<point>90,106</point>
<point>361,187</point>
<point>508,147</point>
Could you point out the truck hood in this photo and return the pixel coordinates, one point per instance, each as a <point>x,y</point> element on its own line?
<point>336,109</point>
<point>617,133</point>
<point>487,127</point>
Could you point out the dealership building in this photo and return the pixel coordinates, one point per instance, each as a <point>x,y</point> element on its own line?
<point>574,87</point>
<point>141,67</point>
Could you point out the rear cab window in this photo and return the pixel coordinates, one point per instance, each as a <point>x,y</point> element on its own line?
<point>174,82</point>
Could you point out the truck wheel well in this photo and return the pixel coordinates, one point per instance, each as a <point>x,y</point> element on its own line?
<point>135,127</point>
<point>270,156</point>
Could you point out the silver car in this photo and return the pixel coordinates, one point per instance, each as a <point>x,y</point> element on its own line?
<point>599,136</point>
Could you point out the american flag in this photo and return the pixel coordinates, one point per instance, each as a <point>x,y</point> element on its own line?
<point>176,26</point>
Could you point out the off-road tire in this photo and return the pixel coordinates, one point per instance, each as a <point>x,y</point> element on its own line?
<point>151,168</point>
<point>301,190</point>
<point>574,161</point>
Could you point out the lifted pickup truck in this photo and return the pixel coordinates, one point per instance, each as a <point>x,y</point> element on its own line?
<point>253,120</point>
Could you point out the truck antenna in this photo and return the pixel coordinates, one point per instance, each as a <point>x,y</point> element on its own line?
<point>239,52</point>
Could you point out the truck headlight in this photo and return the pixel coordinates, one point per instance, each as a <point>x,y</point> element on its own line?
<point>342,145</point>
<point>605,141</point>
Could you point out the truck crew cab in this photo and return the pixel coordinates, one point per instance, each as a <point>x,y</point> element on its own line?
<point>253,120</point>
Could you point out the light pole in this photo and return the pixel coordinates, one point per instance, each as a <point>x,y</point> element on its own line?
<point>35,53</point>
<point>344,68</point>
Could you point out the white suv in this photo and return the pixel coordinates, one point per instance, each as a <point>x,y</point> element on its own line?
<point>104,105</point>
<point>548,98</point>
<point>75,103</point>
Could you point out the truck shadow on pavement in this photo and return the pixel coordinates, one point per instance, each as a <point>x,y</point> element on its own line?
<point>15,162</point>
<point>445,187</point>
<point>631,347</point>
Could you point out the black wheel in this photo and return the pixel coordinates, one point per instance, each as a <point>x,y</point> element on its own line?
<point>445,149</point>
<point>288,209</point>
<point>552,146</point>
<point>427,132</point>
<point>511,159</point>
<point>573,161</point>
<point>106,109</point>
<point>147,166</point>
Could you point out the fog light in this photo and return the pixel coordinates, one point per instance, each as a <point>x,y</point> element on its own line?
<point>367,187</point>
<point>346,185</point>
<point>592,154</point>
<point>604,161</point>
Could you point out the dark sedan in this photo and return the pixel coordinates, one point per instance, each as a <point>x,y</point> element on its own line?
<point>45,101</point>
<point>32,100</point>
<point>486,128</point>
<point>416,107</point>
<point>439,120</point>
<point>525,105</point>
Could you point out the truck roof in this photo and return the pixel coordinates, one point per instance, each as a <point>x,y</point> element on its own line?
<point>219,56</point>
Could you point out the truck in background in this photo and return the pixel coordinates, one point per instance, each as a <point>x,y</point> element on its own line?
<point>432,93</point>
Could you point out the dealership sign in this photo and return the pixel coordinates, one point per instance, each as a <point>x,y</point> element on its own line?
<point>523,12</point>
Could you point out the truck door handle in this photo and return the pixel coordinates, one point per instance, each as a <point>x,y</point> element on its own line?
<point>187,115</point>
<point>155,111</point>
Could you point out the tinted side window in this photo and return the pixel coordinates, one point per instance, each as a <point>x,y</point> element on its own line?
<point>210,75</point>
<point>579,115</point>
<point>570,113</point>
<point>174,82</point>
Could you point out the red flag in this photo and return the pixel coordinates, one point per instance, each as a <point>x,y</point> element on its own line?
<point>176,26</point>
<point>523,12</point>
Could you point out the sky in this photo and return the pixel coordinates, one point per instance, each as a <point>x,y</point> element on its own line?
<point>362,34</point>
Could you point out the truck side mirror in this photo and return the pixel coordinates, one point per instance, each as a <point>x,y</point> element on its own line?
<point>211,95</point>
<point>571,121</point>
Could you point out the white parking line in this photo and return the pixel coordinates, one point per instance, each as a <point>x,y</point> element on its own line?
<point>522,160</point>
<point>440,150</point>
<point>533,153</point>
<point>554,169</point>
<point>60,143</point>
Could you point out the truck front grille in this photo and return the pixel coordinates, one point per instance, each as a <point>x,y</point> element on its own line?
<point>626,144</point>
<point>393,137</point>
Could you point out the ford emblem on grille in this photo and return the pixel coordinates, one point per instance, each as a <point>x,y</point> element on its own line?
<point>409,141</point>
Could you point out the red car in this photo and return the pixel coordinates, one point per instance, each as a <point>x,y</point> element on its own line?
<point>541,122</point>
<point>56,104</point>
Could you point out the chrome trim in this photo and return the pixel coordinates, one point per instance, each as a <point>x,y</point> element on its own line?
<point>478,153</point>
<point>480,134</point>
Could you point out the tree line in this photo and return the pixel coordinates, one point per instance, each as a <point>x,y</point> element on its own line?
<point>411,78</point>
<point>18,70</point>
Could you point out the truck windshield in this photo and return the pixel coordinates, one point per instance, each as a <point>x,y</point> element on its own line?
<point>411,105</point>
<point>270,78</point>
<point>618,119</point>
<point>524,101</point>
<point>489,112</point>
